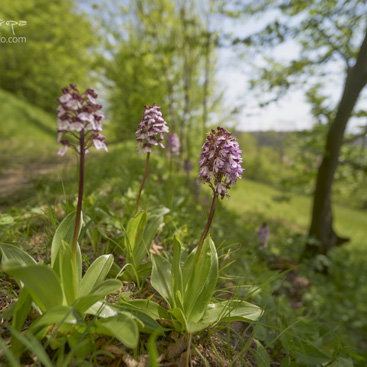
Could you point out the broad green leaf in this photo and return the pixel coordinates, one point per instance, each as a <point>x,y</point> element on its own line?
<point>262,356</point>
<point>81,345</point>
<point>181,323</point>
<point>146,323</point>
<point>22,308</point>
<point>134,234</point>
<point>67,275</point>
<point>41,282</point>
<point>141,249</point>
<point>96,273</point>
<point>202,282</point>
<point>82,304</point>
<point>310,355</point>
<point>161,211</point>
<point>101,309</point>
<point>6,219</point>
<point>56,315</point>
<point>176,281</point>
<point>233,311</point>
<point>161,277</point>
<point>342,362</point>
<point>31,343</point>
<point>10,252</point>
<point>65,232</point>
<point>106,287</point>
<point>123,327</point>
<point>150,308</point>
<point>226,311</point>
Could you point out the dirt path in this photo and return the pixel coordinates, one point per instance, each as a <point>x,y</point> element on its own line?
<point>23,176</point>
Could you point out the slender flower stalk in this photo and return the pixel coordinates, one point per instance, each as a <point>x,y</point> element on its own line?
<point>80,196</point>
<point>207,227</point>
<point>220,167</point>
<point>79,127</point>
<point>150,132</point>
<point>142,182</point>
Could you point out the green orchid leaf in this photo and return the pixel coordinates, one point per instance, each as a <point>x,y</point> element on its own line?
<point>96,273</point>
<point>262,357</point>
<point>161,211</point>
<point>134,234</point>
<point>310,355</point>
<point>179,322</point>
<point>65,232</point>
<point>201,283</point>
<point>84,303</point>
<point>21,311</point>
<point>81,345</point>
<point>141,249</point>
<point>10,252</point>
<point>56,315</point>
<point>161,277</point>
<point>226,311</point>
<point>22,308</point>
<point>176,281</point>
<point>150,308</point>
<point>146,322</point>
<point>67,276</point>
<point>106,287</point>
<point>101,309</point>
<point>123,327</point>
<point>41,282</point>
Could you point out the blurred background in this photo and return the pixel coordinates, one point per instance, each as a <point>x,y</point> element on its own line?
<point>272,71</point>
<point>287,77</point>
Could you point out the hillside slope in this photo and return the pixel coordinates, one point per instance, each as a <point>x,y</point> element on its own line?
<point>25,130</point>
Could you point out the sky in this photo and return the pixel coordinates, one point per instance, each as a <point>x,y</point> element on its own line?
<point>292,112</point>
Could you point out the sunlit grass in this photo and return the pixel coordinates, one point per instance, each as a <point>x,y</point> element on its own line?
<point>25,130</point>
<point>249,197</point>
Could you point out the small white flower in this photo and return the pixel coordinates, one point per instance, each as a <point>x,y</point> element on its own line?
<point>62,150</point>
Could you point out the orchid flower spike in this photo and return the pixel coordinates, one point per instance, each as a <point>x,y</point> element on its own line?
<point>151,129</point>
<point>220,161</point>
<point>79,112</point>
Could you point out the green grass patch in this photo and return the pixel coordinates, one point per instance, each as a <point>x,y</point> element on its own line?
<point>294,212</point>
<point>25,130</point>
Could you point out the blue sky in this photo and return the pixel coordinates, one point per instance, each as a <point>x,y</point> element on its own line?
<point>292,112</point>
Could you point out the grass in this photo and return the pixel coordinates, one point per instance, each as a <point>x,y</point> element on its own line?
<point>25,130</point>
<point>249,197</point>
<point>333,302</point>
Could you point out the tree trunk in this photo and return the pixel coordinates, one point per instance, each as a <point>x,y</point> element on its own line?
<point>322,236</point>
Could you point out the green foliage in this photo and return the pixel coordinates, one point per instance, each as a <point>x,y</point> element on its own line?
<point>137,241</point>
<point>27,130</point>
<point>160,58</point>
<point>177,284</point>
<point>50,31</point>
<point>61,295</point>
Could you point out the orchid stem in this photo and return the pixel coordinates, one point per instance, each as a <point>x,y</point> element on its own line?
<point>207,227</point>
<point>142,183</point>
<point>80,196</point>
